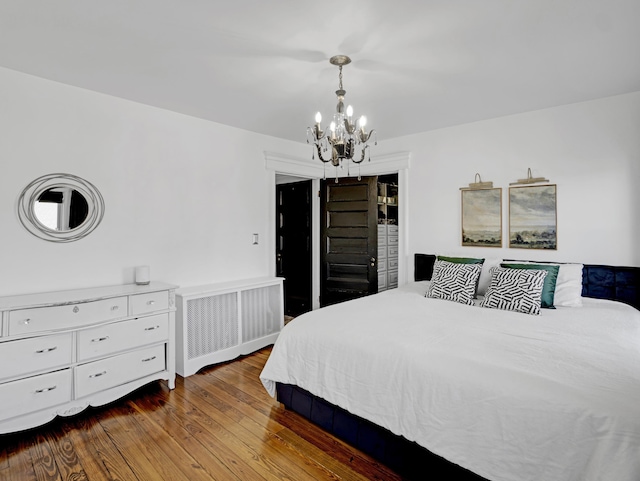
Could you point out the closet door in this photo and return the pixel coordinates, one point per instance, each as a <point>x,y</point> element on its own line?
<point>293,245</point>
<point>349,239</point>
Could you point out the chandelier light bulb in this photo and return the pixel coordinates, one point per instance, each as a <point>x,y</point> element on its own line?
<point>349,111</point>
<point>318,118</point>
<point>332,127</point>
<point>363,121</point>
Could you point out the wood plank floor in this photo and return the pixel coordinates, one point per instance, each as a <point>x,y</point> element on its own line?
<point>219,424</point>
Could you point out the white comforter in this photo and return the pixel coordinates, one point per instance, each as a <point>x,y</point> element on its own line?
<point>509,396</point>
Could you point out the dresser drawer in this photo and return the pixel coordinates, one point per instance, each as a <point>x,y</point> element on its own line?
<point>36,354</point>
<point>382,252</point>
<point>114,371</point>
<point>382,281</point>
<point>392,251</point>
<point>121,336</point>
<point>39,319</point>
<point>35,393</point>
<point>392,240</point>
<point>393,279</point>
<point>152,302</point>
<point>393,263</point>
<point>382,265</point>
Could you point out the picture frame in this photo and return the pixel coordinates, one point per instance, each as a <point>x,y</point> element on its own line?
<point>481,217</point>
<point>533,217</point>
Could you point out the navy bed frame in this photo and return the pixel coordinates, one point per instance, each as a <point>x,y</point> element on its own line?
<point>411,461</point>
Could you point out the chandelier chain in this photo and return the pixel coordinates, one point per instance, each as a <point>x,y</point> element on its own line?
<point>340,77</point>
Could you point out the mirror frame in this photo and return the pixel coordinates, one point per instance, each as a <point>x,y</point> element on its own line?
<point>34,190</point>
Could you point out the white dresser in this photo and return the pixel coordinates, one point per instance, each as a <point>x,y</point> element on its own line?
<point>63,351</point>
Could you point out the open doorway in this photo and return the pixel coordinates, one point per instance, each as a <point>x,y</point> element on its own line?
<point>294,242</point>
<point>289,168</point>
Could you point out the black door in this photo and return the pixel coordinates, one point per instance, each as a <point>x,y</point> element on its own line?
<point>293,245</point>
<point>349,239</point>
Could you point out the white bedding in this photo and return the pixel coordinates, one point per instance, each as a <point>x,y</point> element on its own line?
<point>512,397</point>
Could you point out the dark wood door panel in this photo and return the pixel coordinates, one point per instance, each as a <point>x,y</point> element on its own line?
<point>349,240</point>
<point>349,219</point>
<point>348,192</point>
<point>346,245</point>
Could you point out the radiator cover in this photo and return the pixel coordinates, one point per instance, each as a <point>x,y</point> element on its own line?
<point>219,322</point>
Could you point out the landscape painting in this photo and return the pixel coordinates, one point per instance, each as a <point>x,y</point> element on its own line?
<point>482,217</point>
<point>533,217</point>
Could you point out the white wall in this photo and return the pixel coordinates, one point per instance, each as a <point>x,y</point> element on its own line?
<point>182,195</point>
<point>591,150</point>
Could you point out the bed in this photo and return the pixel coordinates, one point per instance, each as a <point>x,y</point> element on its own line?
<point>423,383</point>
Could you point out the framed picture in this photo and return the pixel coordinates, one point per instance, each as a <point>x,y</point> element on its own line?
<point>533,217</point>
<point>482,217</point>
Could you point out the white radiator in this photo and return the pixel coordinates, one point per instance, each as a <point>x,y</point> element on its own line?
<point>219,322</point>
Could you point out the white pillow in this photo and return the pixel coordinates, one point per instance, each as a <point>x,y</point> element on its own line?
<point>454,282</point>
<point>485,275</point>
<point>518,290</point>
<point>568,291</point>
<point>569,286</point>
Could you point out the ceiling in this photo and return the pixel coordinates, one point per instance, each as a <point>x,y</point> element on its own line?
<point>263,65</point>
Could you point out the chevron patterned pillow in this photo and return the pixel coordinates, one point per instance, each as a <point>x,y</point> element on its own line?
<point>517,290</point>
<point>454,282</point>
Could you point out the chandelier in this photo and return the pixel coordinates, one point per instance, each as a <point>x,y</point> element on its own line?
<point>345,139</point>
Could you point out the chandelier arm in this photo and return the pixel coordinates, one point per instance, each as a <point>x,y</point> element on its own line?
<point>364,137</point>
<point>320,153</point>
<point>350,127</point>
<point>364,149</point>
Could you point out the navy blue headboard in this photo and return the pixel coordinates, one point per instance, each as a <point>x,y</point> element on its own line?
<point>599,281</point>
<point>612,282</point>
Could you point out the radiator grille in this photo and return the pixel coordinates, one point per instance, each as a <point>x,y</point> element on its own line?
<point>212,324</point>
<point>260,312</point>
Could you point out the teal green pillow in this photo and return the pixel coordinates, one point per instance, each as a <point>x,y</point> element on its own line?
<point>549,288</point>
<point>461,260</point>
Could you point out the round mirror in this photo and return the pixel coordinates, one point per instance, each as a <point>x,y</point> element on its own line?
<point>60,207</point>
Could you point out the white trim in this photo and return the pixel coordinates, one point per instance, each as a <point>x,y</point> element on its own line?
<point>379,164</point>
<point>286,164</point>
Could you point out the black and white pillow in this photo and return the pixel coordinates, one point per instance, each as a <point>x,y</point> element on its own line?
<point>454,282</point>
<point>517,290</point>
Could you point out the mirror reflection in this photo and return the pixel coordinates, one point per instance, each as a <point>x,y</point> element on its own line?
<point>61,208</point>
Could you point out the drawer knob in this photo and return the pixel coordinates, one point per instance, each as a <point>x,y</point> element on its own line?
<point>115,308</point>
<point>151,303</point>
<point>98,374</point>
<point>26,322</point>
<point>100,339</point>
<point>76,309</point>
<point>152,328</point>
<point>48,349</point>
<point>45,389</point>
<point>149,359</point>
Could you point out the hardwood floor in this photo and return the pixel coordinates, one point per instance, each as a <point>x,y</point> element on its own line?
<point>219,424</point>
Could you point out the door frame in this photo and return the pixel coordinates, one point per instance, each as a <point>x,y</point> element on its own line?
<point>277,163</point>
